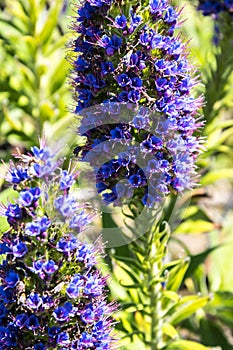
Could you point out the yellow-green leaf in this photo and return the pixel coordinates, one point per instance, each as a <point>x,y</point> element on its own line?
<point>215,175</point>
<point>169,330</point>
<point>186,345</point>
<point>171,295</point>
<point>188,310</point>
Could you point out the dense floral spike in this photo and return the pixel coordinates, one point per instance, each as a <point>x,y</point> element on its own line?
<point>51,294</point>
<point>222,13</point>
<point>214,7</point>
<point>130,54</point>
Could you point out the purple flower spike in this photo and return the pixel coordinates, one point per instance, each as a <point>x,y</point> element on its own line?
<point>153,79</point>
<point>41,293</point>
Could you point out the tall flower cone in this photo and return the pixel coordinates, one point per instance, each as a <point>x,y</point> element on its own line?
<point>52,296</point>
<point>130,53</point>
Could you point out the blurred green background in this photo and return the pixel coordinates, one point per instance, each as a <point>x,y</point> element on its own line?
<point>35,99</point>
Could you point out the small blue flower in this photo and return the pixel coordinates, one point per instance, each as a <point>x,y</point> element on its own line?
<point>34,301</point>
<point>134,96</point>
<point>3,311</point>
<point>40,154</point>
<point>39,346</point>
<point>79,221</point>
<point>6,295</point>
<point>152,143</point>
<point>66,180</point>
<point>48,302</point>
<point>157,7</point>
<point>135,180</point>
<point>107,67</point>
<point>170,16</point>
<point>13,212</point>
<point>123,80</point>
<point>74,287</point>
<point>64,245</point>
<point>81,65</point>
<point>37,266</point>
<point>11,279</point>
<point>86,340</point>
<point>112,44</point>
<point>5,248</point>
<point>63,338</point>
<point>17,175</point>
<point>28,197</point>
<point>84,95</point>
<point>120,22</point>
<point>32,322</point>
<point>135,21</point>
<point>49,267</point>
<point>93,285</point>
<point>32,229</point>
<point>19,248</point>
<point>145,39</point>
<point>159,42</point>
<point>85,12</point>
<point>88,314</point>
<point>67,206</point>
<point>86,255</point>
<point>21,320</point>
<point>136,83</point>
<point>62,313</point>
<point>53,331</point>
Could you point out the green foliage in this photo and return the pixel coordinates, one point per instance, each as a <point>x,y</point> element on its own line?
<point>33,94</point>
<point>152,308</point>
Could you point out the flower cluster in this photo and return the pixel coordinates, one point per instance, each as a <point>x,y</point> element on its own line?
<point>131,55</point>
<point>51,294</point>
<point>213,7</point>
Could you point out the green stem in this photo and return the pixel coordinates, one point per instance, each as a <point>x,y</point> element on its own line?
<point>156,319</point>
<point>154,290</point>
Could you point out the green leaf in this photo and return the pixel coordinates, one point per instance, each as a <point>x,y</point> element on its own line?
<point>176,275</point>
<point>4,226</point>
<point>215,175</point>
<point>188,310</point>
<point>171,295</point>
<point>8,195</point>
<point>195,227</point>
<point>196,260</point>
<point>57,79</point>
<point>128,269</point>
<point>169,330</point>
<point>212,334</point>
<point>51,22</point>
<point>185,345</point>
